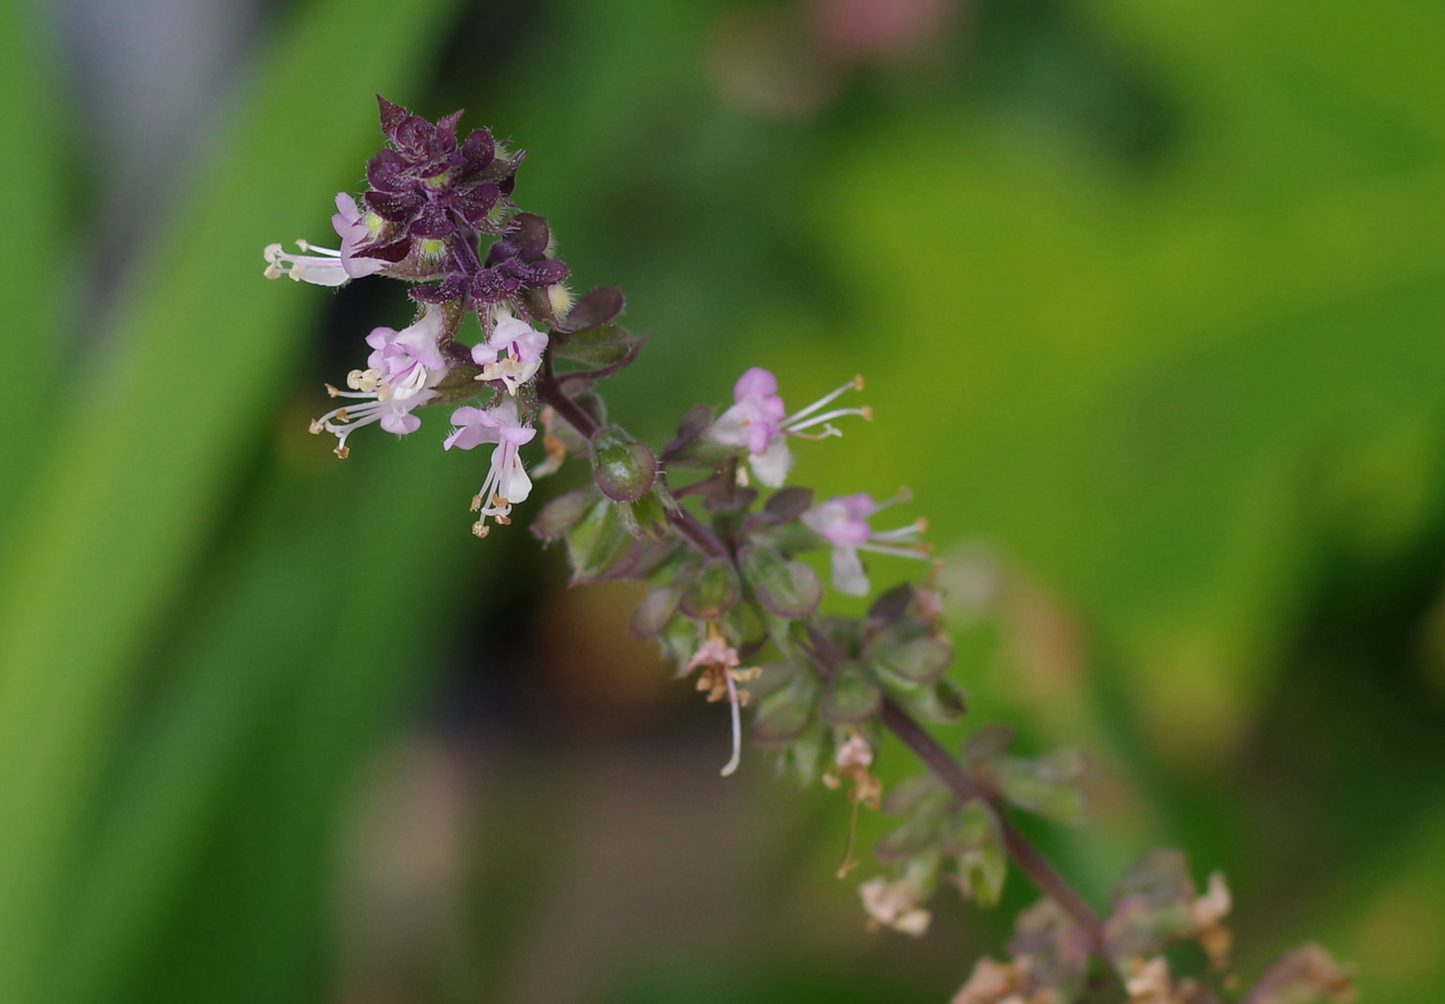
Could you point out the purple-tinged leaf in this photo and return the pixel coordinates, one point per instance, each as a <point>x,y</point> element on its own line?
<point>1303,976</point>
<point>596,308</point>
<point>784,715</point>
<point>598,543</point>
<point>599,346</point>
<point>921,660</point>
<point>695,421</point>
<point>975,837</point>
<point>655,611</point>
<point>987,742</point>
<point>788,504</point>
<point>563,513</point>
<point>890,606</point>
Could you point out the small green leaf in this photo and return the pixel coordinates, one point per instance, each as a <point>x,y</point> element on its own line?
<point>916,835</point>
<point>940,701</point>
<point>598,543</point>
<point>714,592</point>
<point>987,742</point>
<point>921,660</point>
<point>802,757</point>
<point>850,696</point>
<point>782,715</point>
<point>787,589</point>
<point>1047,786</point>
<point>647,516</point>
<point>655,611</point>
<point>976,838</point>
<point>604,345</point>
<point>563,513</point>
<point>907,795</point>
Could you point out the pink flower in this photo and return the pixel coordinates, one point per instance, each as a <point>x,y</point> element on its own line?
<point>507,482</point>
<point>402,371</point>
<point>355,229</point>
<point>758,422</point>
<point>524,346</point>
<point>329,266</point>
<point>409,358</point>
<point>843,522</point>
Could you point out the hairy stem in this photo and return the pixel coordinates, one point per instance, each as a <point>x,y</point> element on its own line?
<point>551,393</point>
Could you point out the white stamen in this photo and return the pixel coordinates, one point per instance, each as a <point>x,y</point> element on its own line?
<point>823,433</point>
<point>828,416</point>
<point>732,764</point>
<point>855,384</point>
<point>916,551</point>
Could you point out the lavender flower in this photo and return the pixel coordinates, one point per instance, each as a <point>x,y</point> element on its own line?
<point>507,482</point>
<point>523,344</point>
<point>843,522</point>
<point>759,422</point>
<point>330,266</point>
<point>401,373</point>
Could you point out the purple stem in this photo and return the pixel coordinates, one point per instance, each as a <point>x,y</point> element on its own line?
<point>1026,856</point>
<point>1030,861</point>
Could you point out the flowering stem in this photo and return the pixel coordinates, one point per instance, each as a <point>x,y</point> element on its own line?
<point>1025,855</point>
<point>1028,858</point>
<point>550,392</point>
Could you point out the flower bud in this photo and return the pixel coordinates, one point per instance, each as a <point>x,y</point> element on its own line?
<point>623,468</point>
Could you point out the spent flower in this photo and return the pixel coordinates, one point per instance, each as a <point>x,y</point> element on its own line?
<point>896,904</point>
<point>720,678</point>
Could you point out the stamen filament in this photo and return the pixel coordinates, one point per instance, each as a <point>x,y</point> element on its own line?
<point>827,431</point>
<point>828,416</point>
<point>737,756</point>
<point>855,384</point>
<point>903,532</point>
<point>917,551</point>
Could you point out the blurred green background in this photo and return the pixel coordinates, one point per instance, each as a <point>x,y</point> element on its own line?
<point>1149,295</point>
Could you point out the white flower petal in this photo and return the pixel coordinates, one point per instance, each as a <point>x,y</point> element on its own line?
<point>848,575</point>
<point>772,465</point>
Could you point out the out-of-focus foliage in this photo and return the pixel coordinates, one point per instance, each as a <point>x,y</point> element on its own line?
<point>1150,297</point>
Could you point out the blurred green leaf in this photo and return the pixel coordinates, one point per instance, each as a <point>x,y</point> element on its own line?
<point>36,259</point>
<point>146,455</point>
